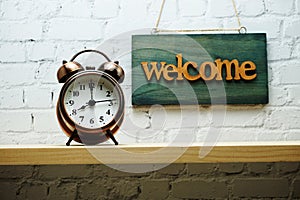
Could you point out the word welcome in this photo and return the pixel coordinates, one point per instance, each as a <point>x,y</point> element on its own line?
<point>206,71</point>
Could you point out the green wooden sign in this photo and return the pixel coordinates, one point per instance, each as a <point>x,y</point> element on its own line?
<point>199,69</point>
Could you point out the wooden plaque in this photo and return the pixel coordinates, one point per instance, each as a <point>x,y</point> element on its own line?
<point>199,69</point>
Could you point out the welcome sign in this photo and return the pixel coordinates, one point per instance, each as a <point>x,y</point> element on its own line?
<point>176,69</point>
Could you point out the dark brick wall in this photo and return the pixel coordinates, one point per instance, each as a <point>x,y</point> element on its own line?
<point>177,181</point>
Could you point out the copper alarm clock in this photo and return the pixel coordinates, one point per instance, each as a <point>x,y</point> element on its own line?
<point>90,108</point>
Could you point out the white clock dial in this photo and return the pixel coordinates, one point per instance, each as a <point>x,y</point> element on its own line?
<point>92,101</point>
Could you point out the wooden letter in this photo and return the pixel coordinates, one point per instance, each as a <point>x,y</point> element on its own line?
<point>186,73</point>
<point>234,63</point>
<point>179,67</point>
<point>149,73</point>
<point>213,71</point>
<point>244,68</point>
<point>166,72</point>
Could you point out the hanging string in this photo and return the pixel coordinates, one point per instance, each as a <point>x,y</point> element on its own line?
<point>240,29</point>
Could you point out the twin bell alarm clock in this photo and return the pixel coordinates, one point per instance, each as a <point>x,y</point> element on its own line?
<point>90,107</point>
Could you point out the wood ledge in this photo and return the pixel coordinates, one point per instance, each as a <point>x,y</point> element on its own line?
<point>150,153</point>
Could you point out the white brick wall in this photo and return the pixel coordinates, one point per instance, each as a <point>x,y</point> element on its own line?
<point>35,36</point>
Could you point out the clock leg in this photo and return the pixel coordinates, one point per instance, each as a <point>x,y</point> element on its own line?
<point>74,134</point>
<point>111,136</point>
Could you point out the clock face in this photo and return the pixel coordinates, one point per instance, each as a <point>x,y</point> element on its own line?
<point>92,100</point>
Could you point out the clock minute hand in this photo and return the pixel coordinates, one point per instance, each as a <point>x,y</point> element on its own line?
<point>106,100</point>
<point>91,85</point>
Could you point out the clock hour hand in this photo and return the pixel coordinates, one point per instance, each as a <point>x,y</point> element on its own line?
<point>82,107</point>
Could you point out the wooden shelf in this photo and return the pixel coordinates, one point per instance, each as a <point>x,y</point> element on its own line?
<point>149,153</point>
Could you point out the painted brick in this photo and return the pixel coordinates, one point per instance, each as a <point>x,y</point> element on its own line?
<point>284,118</point>
<point>16,31</point>
<point>284,168</point>
<point>289,73</point>
<point>296,188</point>
<point>45,121</point>
<point>41,51</point>
<point>192,8</point>
<point>251,7</point>
<point>293,135</point>
<point>46,72</point>
<point>20,10</point>
<point>279,51</point>
<point>202,168</point>
<point>282,7</point>
<point>154,189</point>
<point>234,134</point>
<point>173,169</point>
<point>294,93</point>
<point>243,117</point>
<point>278,95</point>
<point>75,9</point>
<point>45,10</point>
<point>261,187</point>
<point>124,189</point>
<point>36,97</point>
<point>12,52</point>
<point>12,98</point>
<point>11,76</point>
<point>16,10</point>
<point>296,50</point>
<point>105,9</point>
<point>162,118</point>
<point>225,9</point>
<point>257,181</point>
<point>292,28</point>
<point>121,170</point>
<point>197,189</point>
<point>259,168</point>
<point>13,172</point>
<point>15,120</point>
<point>136,119</point>
<point>92,190</point>
<point>75,29</point>
<point>268,25</point>
<point>34,191</point>
<point>8,190</point>
<point>48,172</point>
<point>170,6</point>
<point>231,168</point>
<point>63,191</point>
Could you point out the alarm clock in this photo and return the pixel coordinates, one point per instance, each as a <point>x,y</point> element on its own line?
<point>90,107</point>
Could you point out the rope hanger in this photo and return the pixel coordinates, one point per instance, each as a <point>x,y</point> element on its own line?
<point>240,29</point>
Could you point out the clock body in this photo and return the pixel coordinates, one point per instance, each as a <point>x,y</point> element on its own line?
<point>91,102</point>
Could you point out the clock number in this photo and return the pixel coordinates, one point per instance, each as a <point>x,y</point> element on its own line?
<point>75,93</point>
<point>74,112</point>
<point>108,112</point>
<point>92,121</point>
<point>101,118</point>
<point>101,87</point>
<point>108,94</point>
<point>110,103</point>
<point>81,117</point>
<point>91,85</point>
<point>70,102</point>
<point>81,87</point>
